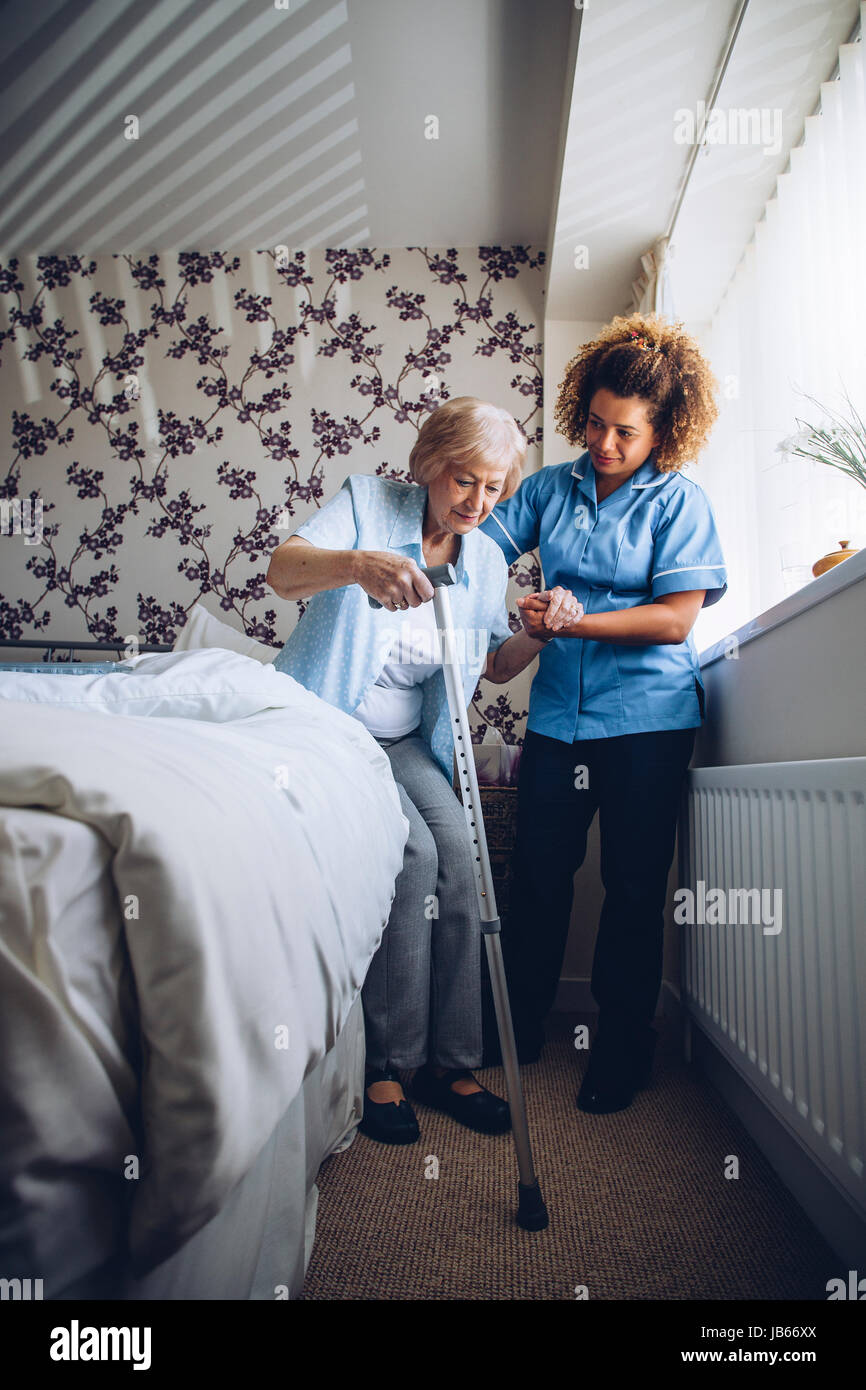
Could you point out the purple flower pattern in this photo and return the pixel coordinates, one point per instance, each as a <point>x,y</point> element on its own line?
<point>202,384</point>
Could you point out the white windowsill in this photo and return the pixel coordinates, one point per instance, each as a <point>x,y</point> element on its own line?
<point>840,577</point>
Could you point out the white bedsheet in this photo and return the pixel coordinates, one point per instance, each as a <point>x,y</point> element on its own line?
<point>254,862</point>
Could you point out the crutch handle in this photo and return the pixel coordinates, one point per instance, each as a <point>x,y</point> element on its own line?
<point>437,574</point>
<point>440,574</point>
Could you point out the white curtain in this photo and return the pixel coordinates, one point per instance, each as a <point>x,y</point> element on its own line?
<point>651,291</point>
<point>794,316</point>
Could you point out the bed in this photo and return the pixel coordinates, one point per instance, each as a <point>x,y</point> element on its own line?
<point>197,861</point>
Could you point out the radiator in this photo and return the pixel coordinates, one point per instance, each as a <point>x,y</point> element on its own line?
<point>778,983</point>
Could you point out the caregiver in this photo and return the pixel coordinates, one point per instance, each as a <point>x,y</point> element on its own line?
<point>421,997</point>
<point>630,551</point>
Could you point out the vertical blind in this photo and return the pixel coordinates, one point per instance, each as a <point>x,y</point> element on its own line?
<point>792,319</point>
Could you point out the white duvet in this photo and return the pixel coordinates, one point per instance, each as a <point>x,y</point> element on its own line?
<point>254,835</point>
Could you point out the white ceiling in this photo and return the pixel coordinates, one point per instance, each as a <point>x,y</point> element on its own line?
<point>638,63</point>
<point>785,50</point>
<point>306,126</point>
<point>259,126</point>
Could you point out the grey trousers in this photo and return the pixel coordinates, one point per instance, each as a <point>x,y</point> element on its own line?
<point>422,995</point>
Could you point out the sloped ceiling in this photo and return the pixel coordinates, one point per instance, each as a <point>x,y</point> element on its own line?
<point>309,123</point>
<point>306,125</point>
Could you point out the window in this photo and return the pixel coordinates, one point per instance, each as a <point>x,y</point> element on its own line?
<point>793,316</point>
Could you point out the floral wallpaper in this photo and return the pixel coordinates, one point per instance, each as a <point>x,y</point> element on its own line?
<point>172,418</point>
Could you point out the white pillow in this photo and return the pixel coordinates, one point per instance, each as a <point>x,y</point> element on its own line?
<point>210,684</point>
<point>202,629</point>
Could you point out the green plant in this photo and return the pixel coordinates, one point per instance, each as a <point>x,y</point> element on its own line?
<point>839,441</point>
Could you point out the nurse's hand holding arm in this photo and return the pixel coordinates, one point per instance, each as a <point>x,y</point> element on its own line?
<point>558,607</point>
<point>667,621</point>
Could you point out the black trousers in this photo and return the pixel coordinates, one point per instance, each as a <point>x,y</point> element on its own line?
<point>634,782</point>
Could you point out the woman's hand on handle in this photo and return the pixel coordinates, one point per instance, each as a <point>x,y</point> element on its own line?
<point>395,580</point>
<point>299,569</point>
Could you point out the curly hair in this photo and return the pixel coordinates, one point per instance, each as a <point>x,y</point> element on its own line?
<point>643,355</point>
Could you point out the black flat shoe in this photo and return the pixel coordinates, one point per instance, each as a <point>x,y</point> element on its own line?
<point>481,1111</point>
<point>389,1121</point>
<point>618,1067</point>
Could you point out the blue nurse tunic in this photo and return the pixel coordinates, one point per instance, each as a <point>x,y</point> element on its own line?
<point>656,534</point>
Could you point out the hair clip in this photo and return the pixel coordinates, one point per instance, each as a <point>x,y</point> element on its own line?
<point>643,343</point>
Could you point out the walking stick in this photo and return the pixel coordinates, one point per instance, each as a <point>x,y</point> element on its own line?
<point>531,1211</point>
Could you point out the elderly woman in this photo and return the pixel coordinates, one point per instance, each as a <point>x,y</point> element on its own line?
<point>422,993</point>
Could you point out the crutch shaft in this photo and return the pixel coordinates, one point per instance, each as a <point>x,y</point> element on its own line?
<point>508,1046</point>
<point>485,890</point>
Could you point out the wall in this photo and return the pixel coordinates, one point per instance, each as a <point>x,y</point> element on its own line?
<point>795,691</point>
<point>179,415</point>
<point>562,341</point>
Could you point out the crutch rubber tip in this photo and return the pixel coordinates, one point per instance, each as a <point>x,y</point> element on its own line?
<point>531,1211</point>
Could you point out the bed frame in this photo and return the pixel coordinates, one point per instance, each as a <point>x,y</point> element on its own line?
<point>50,647</point>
